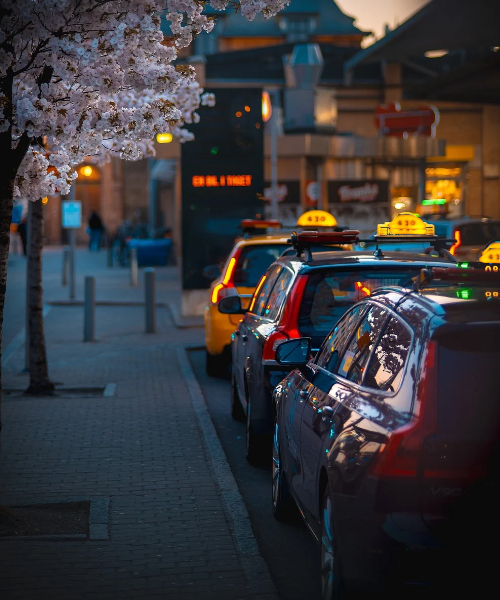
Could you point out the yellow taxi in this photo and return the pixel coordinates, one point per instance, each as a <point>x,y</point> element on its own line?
<point>262,244</point>
<point>249,258</point>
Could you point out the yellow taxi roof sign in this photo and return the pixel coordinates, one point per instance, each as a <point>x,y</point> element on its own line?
<point>405,223</point>
<point>491,254</point>
<point>317,217</point>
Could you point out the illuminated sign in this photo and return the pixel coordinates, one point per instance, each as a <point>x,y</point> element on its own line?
<point>489,294</point>
<point>405,223</point>
<point>491,254</point>
<point>317,217</point>
<point>491,268</point>
<point>199,181</point>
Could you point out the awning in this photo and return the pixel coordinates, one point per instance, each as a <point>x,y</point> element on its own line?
<point>441,24</point>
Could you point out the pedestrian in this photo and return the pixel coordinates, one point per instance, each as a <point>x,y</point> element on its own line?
<point>22,230</point>
<point>95,231</point>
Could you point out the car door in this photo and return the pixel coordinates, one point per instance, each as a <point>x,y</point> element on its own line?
<point>315,402</point>
<point>251,320</point>
<point>325,413</point>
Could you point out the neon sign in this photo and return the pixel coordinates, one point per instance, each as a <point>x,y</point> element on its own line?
<point>221,181</point>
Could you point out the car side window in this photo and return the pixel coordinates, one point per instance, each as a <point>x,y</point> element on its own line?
<point>328,357</point>
<point>259,302</point>
<point>386,368</point>
<point>361,344</point>
<point>278,295</point>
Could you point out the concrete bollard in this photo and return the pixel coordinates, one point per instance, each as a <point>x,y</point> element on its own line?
<point>65,265</point>
<point>89,316</point>
<point>150,287</point>
<point>134,268</point>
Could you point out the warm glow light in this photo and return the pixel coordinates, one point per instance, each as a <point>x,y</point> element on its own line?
<point>239,113</point>
<point>458,236</point>
<point>164,138</point>
<point>247,108</point>
<point>364,289</point>
<point>229,271</point>
<point>86,170</point>
<point>256,293</point>
<point>399,205</point>
<point>215,292</point>
<point>45,200</point>
<point>267,108</point>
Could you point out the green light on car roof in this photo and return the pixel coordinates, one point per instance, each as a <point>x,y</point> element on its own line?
<point>463,294</point>
<point>433,201</point>
<point>463,265</point>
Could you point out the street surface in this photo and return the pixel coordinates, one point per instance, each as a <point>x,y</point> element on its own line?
<point>288,549</point>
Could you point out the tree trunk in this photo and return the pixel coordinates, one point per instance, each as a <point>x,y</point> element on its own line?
<point>39,372</point>
<point>6,203</point>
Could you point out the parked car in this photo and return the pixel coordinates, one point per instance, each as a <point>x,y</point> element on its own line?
<point>262,244</point>
<point>301,295</point>
<point>388,440</point>
<point>249,258</point>
<point>472,234</point>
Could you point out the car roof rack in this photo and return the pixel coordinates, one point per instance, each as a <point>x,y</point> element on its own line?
<point>456,275</point>
<point>306,239</point>
<point>258,226</point>
<point>441,245</point>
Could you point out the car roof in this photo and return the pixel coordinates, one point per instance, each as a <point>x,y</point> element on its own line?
<point>455,303</point>
<point>263,240</point>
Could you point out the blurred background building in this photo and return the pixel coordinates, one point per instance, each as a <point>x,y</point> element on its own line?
<point>410,123</point>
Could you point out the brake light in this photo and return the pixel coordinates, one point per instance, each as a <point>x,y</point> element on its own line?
<point>273,341</point>
<point>400,456</point>
<point>457,235</point>
<point>219,290</point>
<point>364,289</point>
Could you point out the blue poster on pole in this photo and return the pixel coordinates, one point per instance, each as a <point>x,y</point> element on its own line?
<point>71,214</point>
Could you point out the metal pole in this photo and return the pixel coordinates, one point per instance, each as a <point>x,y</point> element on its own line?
<point>89,317</point>
<point>149,275</point>
<point>134,268</point>
<point>72,264</point>
<point>319,181</point>
<point>274,158</point>
<point>27,320</point>
<point>65,265</point>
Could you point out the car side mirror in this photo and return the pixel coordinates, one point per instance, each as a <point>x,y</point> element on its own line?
<point>211,272</point>
<point>294,352</point>
<point>231,305</point>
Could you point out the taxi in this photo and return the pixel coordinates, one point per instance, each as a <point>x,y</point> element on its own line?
<point>262,243</point>
<point>302,295</point>
<point>388,440</point>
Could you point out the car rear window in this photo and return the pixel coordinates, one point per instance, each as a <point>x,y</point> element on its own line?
<point>330,292</point>
<point>441,229</point>
<point>469,382</point>
<point>253,263</point>
<point>479,234</point>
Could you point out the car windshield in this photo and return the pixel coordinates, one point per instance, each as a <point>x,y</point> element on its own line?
<point>329,293</point>
<point>253,263</point>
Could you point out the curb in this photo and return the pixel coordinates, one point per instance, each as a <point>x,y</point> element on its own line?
<point>254,566</point>
<point>98,522</point>
<point>179,321</point>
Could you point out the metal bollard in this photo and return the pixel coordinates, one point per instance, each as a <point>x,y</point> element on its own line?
<point>134,268</point>
<point>149,275</point>
<point>65,265</point>
<point>89,316</point>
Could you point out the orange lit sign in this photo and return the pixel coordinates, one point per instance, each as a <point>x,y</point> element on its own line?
<point>491,254</point>
<point>491,268</point>
<point>489,294</point>
<point>222,181</point>
<point>405,224</point>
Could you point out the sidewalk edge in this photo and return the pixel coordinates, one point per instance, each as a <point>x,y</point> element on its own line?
<point>254,566</point>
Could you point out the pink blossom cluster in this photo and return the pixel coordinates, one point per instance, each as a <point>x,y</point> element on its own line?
<point>94,78</point>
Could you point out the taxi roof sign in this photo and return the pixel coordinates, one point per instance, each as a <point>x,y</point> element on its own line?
<point>260,223</point>
<point>405,224</point>
<point>491,254</point>
<point>319,218</point>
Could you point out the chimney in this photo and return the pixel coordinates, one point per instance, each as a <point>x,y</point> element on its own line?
<point>303,70</point>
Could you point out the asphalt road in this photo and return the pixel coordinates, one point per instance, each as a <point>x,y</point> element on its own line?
<point>289,550</point>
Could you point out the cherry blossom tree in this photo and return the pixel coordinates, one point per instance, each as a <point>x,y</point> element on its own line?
<point>92,78</point>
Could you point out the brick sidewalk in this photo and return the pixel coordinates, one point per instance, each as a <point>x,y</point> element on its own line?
<point>170,531</point>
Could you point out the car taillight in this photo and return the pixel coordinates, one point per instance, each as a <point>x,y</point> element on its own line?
<point>273,341</point>
<point>400,456</point>
<point>457,244</point>
<point>220,290</point>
